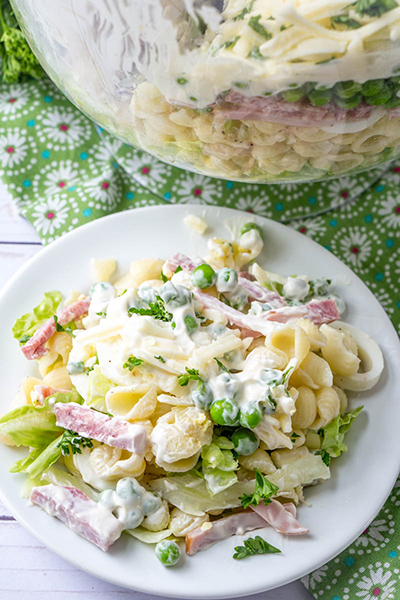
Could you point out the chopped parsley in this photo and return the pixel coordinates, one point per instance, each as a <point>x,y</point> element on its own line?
<point>182,81</point>
<point>253,546</point>
<point>156,309</point>
<point>228,44</point>
<point>344,22</point>
<point>25,338</point>
<point>325,61</point>
<point>244,12</point>
<point>161,359</point>
<point>178,269</point>
<point>374,8</point>
<point>272,402</point>
<point>132,362</point>
<point>294,436</point>
<point>263,490</point>
<point>72,442</point>
<point>68,329</point>
<point>326,457</point>
<point>163,277</point>
<point>255,53</point>
<point>101,314</point>
<point>254,23</point>
<point>222,366</point>
<point>190,375</point>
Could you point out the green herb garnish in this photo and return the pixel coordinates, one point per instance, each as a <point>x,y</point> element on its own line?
<point>132,362</point>
<point>156,309</point>
<point>254,23</point>
<point>263,490</point>
<point>253,546</point>
<point>344,22</point>
<point>222,366</point>
<point>190,375</point>
<point>163,277</point>
<point>161,359</point>
<point>244,12</point>
<point>72,442</point>
<point>374,8</point>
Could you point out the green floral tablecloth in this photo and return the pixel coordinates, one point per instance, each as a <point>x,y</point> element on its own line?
<point>62,173</point>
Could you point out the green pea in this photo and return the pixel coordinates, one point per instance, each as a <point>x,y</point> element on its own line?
<point>251,416</point>
<point>203,276</point>
<point>347,89</point>
<point>225,412</point>
<point>380,98</point>
<point>245,441</point>
<point>202,396</point>
<point>227,280</point>
<point>127,488</point>
<point>249,226</point>
<point>168,553</point>
<point>349,103</point>
<point>294,95</point>
<point>370,88</point>
<point>191,324</point>
<point>319,97</point>
<point>75,368</point>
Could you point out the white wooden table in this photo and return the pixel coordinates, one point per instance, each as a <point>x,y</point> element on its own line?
<point>27,569</point>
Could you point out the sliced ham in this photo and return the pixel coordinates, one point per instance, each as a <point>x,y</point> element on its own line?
<point>35,347</point>
<point>260,294</point>
<point>201,539</point>
<point>322,311</point>
<point>180,260</point>
<point>44,391</point>
<point>78,512</point>
<point>275,110</point>
<point>281,517</point>
<point>90,423</point>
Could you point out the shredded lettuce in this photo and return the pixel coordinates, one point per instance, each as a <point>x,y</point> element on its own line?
<point>25,326</point>
<point>38,460</point>
<point>30,426</point>
<point>61,477</point>
<point>64,397</point>
<point>333,434</point>
<point>98,388</point>
<point>149,537</point>
<point>20,466</point>
<point>219,465</point>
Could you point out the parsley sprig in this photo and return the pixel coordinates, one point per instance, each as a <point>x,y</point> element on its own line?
<point>374,8</point>
<point>156,309</point>
<point>190,375</point>
<point>263,490</point>
<point>254,23</point>
<point>68,329</point>
<point>132,362</point>
<point>72,442</point>
<point>253,546</point>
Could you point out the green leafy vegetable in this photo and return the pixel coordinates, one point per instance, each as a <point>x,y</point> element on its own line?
<point>132,362</point>
<point>190,375</point>
<point>344,22</point>
<point>244,12</point>
<point>48,457</point>
<point>222,366</point>
<point>30,426</point>
<point>255,53</point>
<point>18,59</point>
<point>156,309</point>
<point>72,442</point>
<point>160,358</point>
<point>178,269</point>
<point>326,458</point>
<point>229,43</point>
<point>254,23</point>
<point>164,279</point>
<point>253,546</point>
<point>21,465</point>
<point>374,8</point>
<point>72,396</point>
<point>263,490</point>
<point>333,434</point>
<point>24,327</point>
<point>98,388</point>
<point>219,466</point>
<point>69,328</point>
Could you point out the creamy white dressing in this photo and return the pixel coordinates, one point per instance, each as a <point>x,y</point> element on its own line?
<point>296,288</point>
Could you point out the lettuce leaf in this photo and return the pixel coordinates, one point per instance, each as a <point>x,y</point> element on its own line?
<point>46,458</point>
<point>61,477</point>
<point>219,465</point>
<point>218,480</point>
<point>149,537</point>
<point>98,388</point>
<point>25,326</point>
<point>333,434</point>
<point>64,397</point>
<point>30,426</point>
<point>20,466</point>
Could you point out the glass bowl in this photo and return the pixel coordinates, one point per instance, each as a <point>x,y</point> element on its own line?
<point>264,91</point>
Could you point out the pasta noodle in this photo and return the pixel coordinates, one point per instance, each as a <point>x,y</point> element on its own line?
<point>340,351</point>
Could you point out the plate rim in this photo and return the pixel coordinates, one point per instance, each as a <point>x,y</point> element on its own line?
<point>300,572</point>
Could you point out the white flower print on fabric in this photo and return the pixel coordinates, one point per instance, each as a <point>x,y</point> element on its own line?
<point>104,189</point>
<point>105,152</point>
<point>13,148</point>
<point>195,189</point>
<point>389,210</point>
<point>342,190</point>
<point>146,169</point>
<point>317,577</point>
<point>253,204</point>
<point>13,99</point>
<point>377,533</point>
<point>61,177</point>
<point>356,247</point>
<point>385,299</point>
<point>50,215</point>
<point>377,583</point>
<point>64,127</point>
<point>312,227</point>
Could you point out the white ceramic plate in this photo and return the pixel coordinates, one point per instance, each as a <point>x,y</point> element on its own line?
<point>340,508</point>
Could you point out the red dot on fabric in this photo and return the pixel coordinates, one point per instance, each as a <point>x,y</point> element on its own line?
<point>105,185</point>
<point>146,170</point>
<point>50,215</point>
<point>61,184</point>
<point>376,591</point>
<point>345,194</point>
<point>12,100</point>
<point>355,250</point>
<point>396,169</point>
<point>197,191</point>
<point>10,149</point>
<point>303,229</point>
<point>397,209</point>
<point>365,531</point>
<point>64,127</point>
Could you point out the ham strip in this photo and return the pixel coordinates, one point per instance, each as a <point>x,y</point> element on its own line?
<point>180,260</point>
<point>90,423</point>
<point>275,110</point>
<point>78,512</point>
<point>201,539</point>
<point>322,311</point>
<point>35,347</point>
<point>44,391</point>
<point>281,517</point>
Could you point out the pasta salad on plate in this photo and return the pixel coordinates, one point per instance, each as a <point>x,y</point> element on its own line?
<point>190,399</point>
